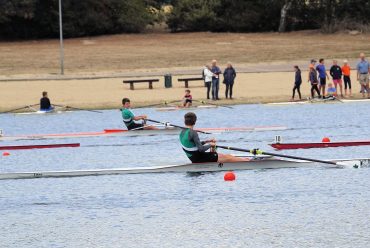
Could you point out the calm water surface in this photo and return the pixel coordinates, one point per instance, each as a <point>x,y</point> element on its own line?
<point>305,207</point>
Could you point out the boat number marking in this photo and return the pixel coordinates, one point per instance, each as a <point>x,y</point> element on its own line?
<point>220,165</point>
<point>37,174</point>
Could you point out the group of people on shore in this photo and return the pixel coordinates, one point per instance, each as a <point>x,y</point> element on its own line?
<point>211,75</point>
<point>318,76</point>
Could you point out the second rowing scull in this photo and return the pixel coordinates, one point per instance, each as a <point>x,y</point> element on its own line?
<point>123,132</point>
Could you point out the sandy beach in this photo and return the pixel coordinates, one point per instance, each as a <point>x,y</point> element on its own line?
<point>107,93</point>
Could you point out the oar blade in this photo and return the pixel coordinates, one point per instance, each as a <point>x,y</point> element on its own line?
<point>350,164</point>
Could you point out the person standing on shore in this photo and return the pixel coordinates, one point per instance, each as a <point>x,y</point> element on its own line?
<point>207,75</point>
<point>313,79</point>
<point>312,63</point>
<point>215,80</point>
<point>323,75</point>
<point>346,70</point>
<point>363,69</point>
<point>297,82</point>
<point>229,77</point>
<point>336,74</point>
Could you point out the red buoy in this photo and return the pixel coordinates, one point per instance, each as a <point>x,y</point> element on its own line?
<point>229,176</point>
<point>6,153</point>
<point>325,139</point>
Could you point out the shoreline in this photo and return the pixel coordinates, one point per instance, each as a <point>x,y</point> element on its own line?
<point>107,93</point>
<point>266,67</point>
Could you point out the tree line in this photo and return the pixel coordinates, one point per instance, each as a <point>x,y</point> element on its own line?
<point>29,19</point>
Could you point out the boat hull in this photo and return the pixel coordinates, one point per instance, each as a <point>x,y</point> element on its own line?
<point>123,132</point>
<point>254,164</point>
<point>176,108</point>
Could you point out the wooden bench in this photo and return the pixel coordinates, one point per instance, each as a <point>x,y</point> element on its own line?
<point>132,82</point>
<point>187,80</point>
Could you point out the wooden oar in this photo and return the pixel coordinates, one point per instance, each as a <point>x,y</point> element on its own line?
<point>12,110</point>
<point>162,103</point>
<point>69,107</point>
<point>169,124</point>
<point>204,102</point>
<point>258,152</point>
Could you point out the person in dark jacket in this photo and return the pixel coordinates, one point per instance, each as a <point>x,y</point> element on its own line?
<point>312,77</point>
<point>336,74</point>
<point>229,77</point>
<point>215,79</point>
<point>297,82</point>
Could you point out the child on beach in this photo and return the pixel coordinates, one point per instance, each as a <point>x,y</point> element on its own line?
<point>332,92</point>
<point>187,99</point>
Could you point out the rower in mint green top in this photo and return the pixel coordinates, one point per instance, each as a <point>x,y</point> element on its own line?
<point>196,151</point>
<point>190,142</point>
<point>129,118</point>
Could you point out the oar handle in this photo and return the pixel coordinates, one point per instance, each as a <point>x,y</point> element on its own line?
<point>258,152</point>
<point>170,124</point>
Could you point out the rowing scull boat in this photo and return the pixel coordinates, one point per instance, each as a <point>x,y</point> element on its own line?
<point>254,164</point>
<point>27,147</point>
<point>122,132</point>
<point>286,146</point>
<point>42,112</point>
<point>300,102</point>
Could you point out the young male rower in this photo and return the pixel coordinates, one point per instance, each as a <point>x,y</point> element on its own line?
<point>196,150</point>
<point>129,118</point>
<point>45,104</point>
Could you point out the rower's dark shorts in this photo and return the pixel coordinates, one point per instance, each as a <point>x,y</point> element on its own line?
<point>204,157</point>
<point>322,81</point>
<point>135,126</point>
<point>188,101</point>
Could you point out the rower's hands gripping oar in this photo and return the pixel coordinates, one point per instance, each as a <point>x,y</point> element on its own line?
<point>170,124</point>
<point>12,110</point>
<point>204,102</point>
<point>69,107</point>
<point>259,152</point>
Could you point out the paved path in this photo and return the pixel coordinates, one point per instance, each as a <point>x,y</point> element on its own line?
<point>256,68</point>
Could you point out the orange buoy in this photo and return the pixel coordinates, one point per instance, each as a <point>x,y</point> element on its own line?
<point>6,153</point>
<point>229,176</point>
<point>325,139</point>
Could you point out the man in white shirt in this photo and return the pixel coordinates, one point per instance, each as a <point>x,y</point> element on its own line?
<point>207,74</point>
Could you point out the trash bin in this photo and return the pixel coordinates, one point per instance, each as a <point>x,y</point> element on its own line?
<point>168,80</point>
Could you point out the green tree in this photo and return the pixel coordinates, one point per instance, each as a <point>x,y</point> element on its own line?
<point>192,15</point>
<point>39,18</point>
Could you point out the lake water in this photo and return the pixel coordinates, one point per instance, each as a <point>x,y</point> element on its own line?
<point>304,207</point>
